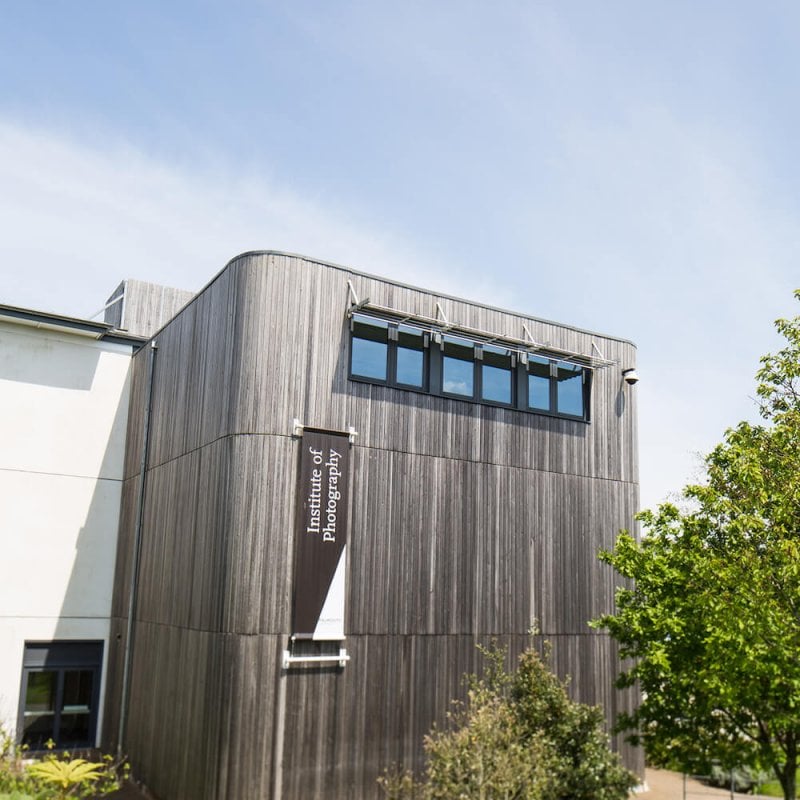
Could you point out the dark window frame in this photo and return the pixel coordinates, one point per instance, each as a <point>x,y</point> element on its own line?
<point>441,354</point>
<point>393,344</point>
<point>556,383</point>
<point>511,369</point>
<point>62,656</point>
<point>434,353</point>
<point>369,378</point>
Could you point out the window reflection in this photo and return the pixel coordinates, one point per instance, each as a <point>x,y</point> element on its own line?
<point>539,383</point>
<point>369,359</point>
<point>569,382</point>
<point>457,376</point>
<point>410,367</point>
<point>370,348</point>
<point>496,375</point>
<point>458,367</point>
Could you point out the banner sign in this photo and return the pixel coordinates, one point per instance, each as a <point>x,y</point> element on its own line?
<point>321,536</point>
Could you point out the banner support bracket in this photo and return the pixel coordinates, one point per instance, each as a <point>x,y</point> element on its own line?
<point>289,659</point>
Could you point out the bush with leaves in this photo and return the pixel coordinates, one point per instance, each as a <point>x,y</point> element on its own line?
<point>55,776</point>
<point>518,736</point>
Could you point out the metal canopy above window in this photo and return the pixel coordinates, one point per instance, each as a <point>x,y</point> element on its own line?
<point>440,327</point>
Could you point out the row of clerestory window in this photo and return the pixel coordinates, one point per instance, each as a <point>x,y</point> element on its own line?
<point>414,358</point>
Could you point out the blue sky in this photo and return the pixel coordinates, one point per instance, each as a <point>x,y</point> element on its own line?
<point>625,167</point>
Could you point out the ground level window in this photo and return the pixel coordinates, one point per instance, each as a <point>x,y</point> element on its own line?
<point>60,694</point>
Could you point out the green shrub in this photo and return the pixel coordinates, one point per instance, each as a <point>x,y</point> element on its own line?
<point>518,735</point>
<point>55,776</point>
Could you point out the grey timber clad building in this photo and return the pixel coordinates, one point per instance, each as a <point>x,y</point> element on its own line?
<point>474,460</point>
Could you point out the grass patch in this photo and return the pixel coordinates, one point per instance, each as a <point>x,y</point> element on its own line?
<point>770,789</point>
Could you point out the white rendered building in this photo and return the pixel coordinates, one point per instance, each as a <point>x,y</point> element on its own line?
<point>64,386</point>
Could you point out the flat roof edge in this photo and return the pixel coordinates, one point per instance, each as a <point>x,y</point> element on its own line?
<point>80,327</point>
<point>250,253</point>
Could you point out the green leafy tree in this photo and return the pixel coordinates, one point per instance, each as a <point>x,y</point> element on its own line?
<point>711,620</point>
<point>517,736</point>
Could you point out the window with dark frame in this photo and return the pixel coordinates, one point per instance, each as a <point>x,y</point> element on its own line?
<point>458,367</point>
<point>369,352</point>
<point>406,356</point>
<point>60,694</point>
<point>569,390</point>
<point>539,394</point>
<point>497,375</point>
<point>409,360</point>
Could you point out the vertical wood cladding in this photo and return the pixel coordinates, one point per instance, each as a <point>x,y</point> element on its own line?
<point>142,308</point>
<point>468,523</point>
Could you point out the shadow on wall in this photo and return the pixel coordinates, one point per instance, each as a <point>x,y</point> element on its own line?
<point>621,401</point>
<point>89,589</point>
<point>86,604</point>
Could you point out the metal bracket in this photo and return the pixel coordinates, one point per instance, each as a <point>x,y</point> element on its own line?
<point>355,303</point>
<point>531,339</point>
<point>440,313</point>
<point>298,428</point>
<point>599,351</point>
<point>289,659</point>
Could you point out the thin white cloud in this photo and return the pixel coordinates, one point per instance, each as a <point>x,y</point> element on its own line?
<point>652,229</point>
<point>74,221</point>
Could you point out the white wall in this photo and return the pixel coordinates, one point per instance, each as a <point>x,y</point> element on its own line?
<point>63,416</point>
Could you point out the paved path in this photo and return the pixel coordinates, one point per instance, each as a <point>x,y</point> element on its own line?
<point>661,785</point>
<point>664,785</point>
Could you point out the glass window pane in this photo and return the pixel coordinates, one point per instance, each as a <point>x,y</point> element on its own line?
<point>538,383</point>
<point>496,384</point>
<point>458,366</point>
<point>73,730</point>
<point>41,691</point>
<point>457,376</point>
<point>39,712</point>
<point>36,730</point>
<point>77,690</point>
<point>76,709</point>
<point>369,359</point>
<point>410,366</point>
<point>539,392</point>
<point>570,389</point>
